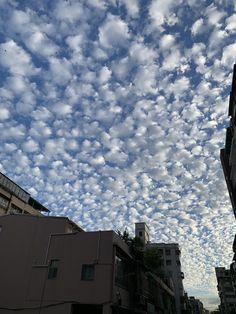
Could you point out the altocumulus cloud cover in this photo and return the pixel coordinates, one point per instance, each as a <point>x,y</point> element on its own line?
<point>114,111</point>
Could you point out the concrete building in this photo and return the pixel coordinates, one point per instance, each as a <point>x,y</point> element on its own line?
<point>171,268</point>
<point>226,290</point>
<point>170,263</point>
<point>50,265</point>
<point>228,154</point>
<point>15,200</point>
<point>142,231</point>
<point>196,306</point>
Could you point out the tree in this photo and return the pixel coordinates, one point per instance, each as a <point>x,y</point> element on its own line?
<point>152,259</point>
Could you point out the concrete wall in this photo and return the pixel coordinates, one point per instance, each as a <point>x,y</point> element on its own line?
<point>72,251</point>
<point>23,243</point>
<point>29,243</point>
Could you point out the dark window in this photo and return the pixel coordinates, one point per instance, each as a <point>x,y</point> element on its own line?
<point>167,252</point>
<point>3,201</point>
<point>168,262</point>
<point>87,272</point>
<point>121,272</point>
<point>53,268</point>
<point>15,209</point>
<point>140,233</point>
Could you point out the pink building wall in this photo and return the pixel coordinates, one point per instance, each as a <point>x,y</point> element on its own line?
<point>28,243</point>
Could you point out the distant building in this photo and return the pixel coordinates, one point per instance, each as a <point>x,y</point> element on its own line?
<point>49,265</point>
<point>228,154</point>
<point>15,200</point>
<point>226,290</point>
<point>170,264</point>
<point>142,232</point>
<point>196,306</point>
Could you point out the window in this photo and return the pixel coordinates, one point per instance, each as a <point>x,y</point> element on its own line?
<point>87,272</point>
<point>3,201</point>
<point>140,233</point>
<point>178,263</point>
<point>167,252</point>
<point>121,272</point>
<point>168,262</point>
<point>15,209</point>
<point>53,269</point>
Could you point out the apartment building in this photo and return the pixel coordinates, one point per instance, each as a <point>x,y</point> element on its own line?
<point>50,265</point>
<point>15,200</point>
<point>228,154</point>
<point>226,290</point>
<point>196,306</point>
<point>170,268</point>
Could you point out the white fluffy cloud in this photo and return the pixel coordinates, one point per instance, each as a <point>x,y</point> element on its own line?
<point>162,12</point>
<point>15,59</point>
<point>197,26</point>
<point>113,33</point>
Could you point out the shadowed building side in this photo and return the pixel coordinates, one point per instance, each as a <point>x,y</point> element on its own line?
<point>49,265</point>
<point>228,154</point>
<point>15,200</point>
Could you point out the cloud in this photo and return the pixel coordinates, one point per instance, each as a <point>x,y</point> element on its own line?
<point>68,11</point>
<point>39,43</point>
<point>161,13</point>
<point>228,54</point>
<point>113,33</point>
<point>167,41</point>
<point>231,23</point>
<point>60,70</point>
<point>214,15</point>
<point>16,59</point>
<point>197,26</point>
<point>4,114</point>
<point>132,7</point>
<point>104,75</point>
<point>30,146</point>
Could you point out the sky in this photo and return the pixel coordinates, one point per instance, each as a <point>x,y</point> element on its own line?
<point>114,111</point>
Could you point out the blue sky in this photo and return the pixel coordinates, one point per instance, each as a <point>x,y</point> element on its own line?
<point>114,111</point>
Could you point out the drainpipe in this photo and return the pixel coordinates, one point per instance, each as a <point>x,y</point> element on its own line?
<point>98,247</point>
<point>46,265</point>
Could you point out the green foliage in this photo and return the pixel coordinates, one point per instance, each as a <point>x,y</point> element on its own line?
<point>149,256</point>
<point>152,259</point>
<point>135,244</point>
<point>125,236</point>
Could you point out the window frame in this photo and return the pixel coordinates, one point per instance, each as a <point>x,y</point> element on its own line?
<point>87,272</point>
<point>53,269</point>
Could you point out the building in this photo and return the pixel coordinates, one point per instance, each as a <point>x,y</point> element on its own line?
<point>15,200</point>
<point>227,278</point>
<point>170,268</point>
<point>228,154</point>
<point>142,231</point>
<point>196,306</point>
<point>50,265</point>
<point>226,290</point>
